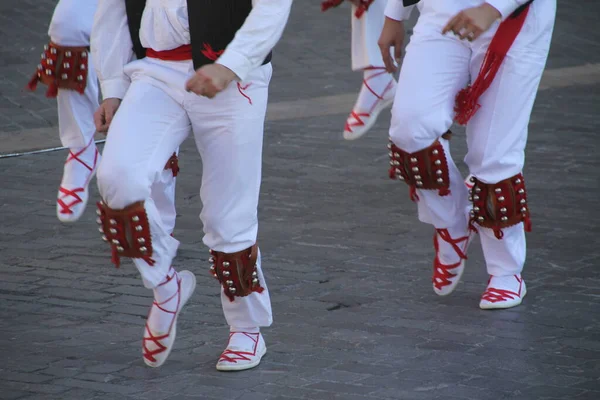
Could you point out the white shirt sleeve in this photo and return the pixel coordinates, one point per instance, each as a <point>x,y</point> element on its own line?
<point>111,47</point>
<point>396,10</point>
<point>257,37</point>
<point>506,7</point>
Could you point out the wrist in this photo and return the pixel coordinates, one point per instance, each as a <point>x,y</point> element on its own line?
<point>491,10</point>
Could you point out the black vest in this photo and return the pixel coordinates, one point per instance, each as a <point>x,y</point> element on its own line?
<point>213,25</point>
<point>519,10</point>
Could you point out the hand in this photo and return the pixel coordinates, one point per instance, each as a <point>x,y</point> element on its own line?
<point>105,113</point>
<point>392,34</point>
<point>210,80</point>
<point>472,22</point>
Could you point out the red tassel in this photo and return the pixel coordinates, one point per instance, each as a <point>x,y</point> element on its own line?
<point>32,84</point>
<point>363,8</point>
<point>392,173</point>
<point>527,223</point>
<point>52,90</point>
<point>115,258</point>
<point>413,194</point>
<point>444,192</point>
<point>467,100</point>
<point>149,260</point>
<point>472,226</point>
<point>327,4</point>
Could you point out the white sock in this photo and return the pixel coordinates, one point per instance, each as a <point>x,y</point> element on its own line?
<point>377,80</point>
<point>447,253</point>
<point>167,297</point>
<point>244,340</point>
<point>75,174</point>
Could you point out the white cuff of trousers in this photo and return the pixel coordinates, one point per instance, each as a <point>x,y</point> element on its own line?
<point>114,88</point>
<point>505,7</point>
<point>395,10</point>
<point>238,63</point>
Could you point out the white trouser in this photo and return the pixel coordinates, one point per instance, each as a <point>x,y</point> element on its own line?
<point>71,25</point>
<point>436,67</point>
<point>365,34</point>
<point>156,115</point>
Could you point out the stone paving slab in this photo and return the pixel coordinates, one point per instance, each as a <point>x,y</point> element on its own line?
<point>347,262</point>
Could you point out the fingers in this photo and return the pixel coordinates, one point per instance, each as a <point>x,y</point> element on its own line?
<point>109,113</point>
<point>450,25</point>
<point>398,52</point>
<point>385,49</point>
<point>462,26</point>
<point>100,121</point>
<point>202,85</point>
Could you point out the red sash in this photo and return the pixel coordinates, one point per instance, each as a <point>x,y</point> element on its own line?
<point>180,53</point>
<point>467,99</point>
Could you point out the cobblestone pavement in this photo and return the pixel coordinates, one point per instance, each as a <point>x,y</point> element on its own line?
<point>347,262</point>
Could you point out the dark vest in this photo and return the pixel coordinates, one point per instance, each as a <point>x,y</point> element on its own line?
<point>213,25</point>
<point>519,10</point>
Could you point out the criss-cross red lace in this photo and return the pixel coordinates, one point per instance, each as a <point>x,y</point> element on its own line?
<point>358,117</point>
<point>494,295</point>
<point>441,272</point>
<point>66,208</point>
<point>235,356</point>
<point>149,354</point>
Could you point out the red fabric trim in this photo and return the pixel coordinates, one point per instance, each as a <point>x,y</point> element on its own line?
<point>362,8</point>
<point>467,100</point>
<point>181,53</point>
<point>327,4</point>
<point>241,89</point>
<point>211,54</point>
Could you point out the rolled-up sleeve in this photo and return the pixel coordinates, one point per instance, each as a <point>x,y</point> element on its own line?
<point>111,47</point>
<point>396,10</point>
<point>257,37</point>
<point>506,7</point>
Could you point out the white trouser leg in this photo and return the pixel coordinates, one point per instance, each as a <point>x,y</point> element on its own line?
<point>71,25</point>
<point>76,113</point>
<point>163,194</point>
<point>148,127</point>
<point>435,68</point>
<point>497,133</point>
<point>72,22</point>
<point>229,133</point>
<point>365,34</point>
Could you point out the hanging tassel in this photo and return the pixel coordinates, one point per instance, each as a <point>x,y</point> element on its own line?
<point>444,192</point>
<point>327,4</point>
<point>363,8</point>
<point>32,84</point>
<point>115,259</point>
<point>52,90</point>
<point>467,100</point>
<point>498,233</point>
<point>149,260</point>
<point>527,223</point>
<point>392,173</point>
<point>413,194</point>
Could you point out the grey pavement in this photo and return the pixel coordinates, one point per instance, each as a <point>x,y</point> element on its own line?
<point>347,262</point>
